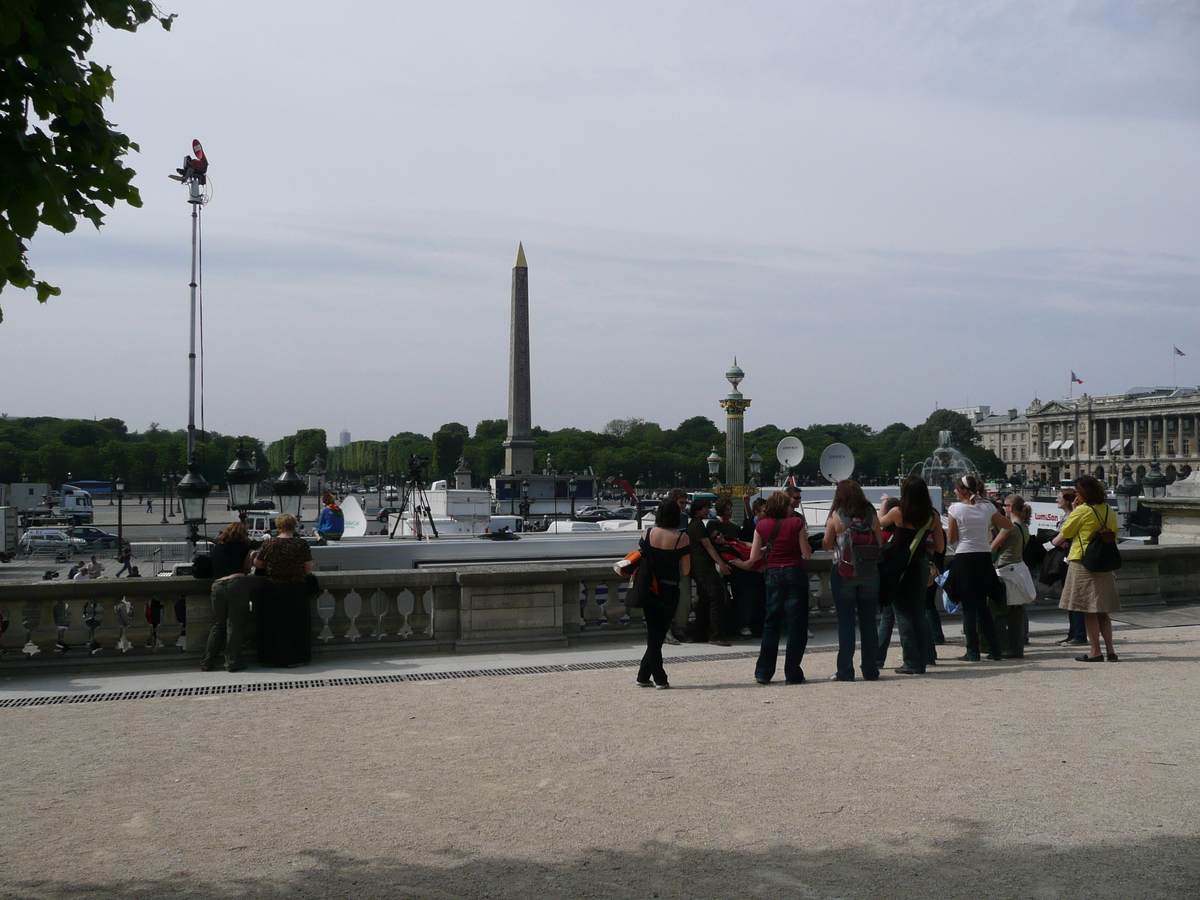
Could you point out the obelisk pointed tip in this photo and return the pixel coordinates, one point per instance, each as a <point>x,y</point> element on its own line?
<point>520,263</point>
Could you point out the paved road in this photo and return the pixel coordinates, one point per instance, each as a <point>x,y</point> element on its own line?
<point>1041,778</point>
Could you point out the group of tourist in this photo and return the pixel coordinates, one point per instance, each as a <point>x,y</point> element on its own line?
<point>283,621</point>
<point>884,574</point>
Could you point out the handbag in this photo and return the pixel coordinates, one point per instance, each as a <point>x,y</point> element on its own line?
<point>643,581</point>
<point>313,586</point>
<point>1101,553</point>
<point>1054,566</point>
<point>894,559</point>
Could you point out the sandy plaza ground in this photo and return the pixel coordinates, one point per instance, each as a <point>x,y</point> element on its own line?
<point>1034,778</point>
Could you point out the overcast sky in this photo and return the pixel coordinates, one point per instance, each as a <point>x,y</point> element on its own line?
<point>878,207</point>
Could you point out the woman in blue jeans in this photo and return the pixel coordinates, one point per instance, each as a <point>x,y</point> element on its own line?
<point>914,516</point>
<point>782,538</point>
<point>853,522</point>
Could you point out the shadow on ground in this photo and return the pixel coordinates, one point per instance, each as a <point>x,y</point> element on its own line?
<point>968,866</point>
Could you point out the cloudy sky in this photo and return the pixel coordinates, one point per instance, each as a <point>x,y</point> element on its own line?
<point>878,207</point>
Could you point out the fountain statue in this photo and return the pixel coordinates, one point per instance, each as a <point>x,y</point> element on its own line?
<point>945,467</point>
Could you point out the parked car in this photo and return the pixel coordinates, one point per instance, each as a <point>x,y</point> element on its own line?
<point>385,512</point>
<point>262,504</point>
<point>596,515</point>
<point>94,537</point>
<point>42,540</point>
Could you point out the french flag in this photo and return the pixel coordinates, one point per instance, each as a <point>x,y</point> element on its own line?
<point>1074,379</point>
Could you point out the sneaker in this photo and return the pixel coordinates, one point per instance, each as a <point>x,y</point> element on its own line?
<point>763,681</point>
<point>745,632</point>
<point>907,670</point>
<point>717,642</point>
<point>665,686</point>
<point>811,635</point>
<point>671,639</point>
<point>641,683</point>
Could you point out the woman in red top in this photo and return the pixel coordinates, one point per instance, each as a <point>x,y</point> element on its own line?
<point>782,538</point>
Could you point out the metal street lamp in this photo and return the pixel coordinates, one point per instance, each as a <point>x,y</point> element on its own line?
<point>173,480</point>
<point>111,490</point>
<point>755,462</point>
<point>1154,482</point>
<point>119,487</point>
<point>289,489</point>
<point>1127,495</point>
<point>163,503</point>
<point>572,487</point>
<point>714,465</point>
<point>193,492</point>
<point>524,501</point>
<point>240,479</point>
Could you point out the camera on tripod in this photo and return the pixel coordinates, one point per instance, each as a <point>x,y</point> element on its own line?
<point>416,464</point>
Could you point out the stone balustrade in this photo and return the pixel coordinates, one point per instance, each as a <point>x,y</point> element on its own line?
<point>109,621</point>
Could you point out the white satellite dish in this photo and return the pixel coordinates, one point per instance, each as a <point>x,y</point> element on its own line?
<point>837,463</point>
<point>790,452</point>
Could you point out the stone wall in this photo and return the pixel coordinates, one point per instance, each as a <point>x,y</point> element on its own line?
<point>472,608</point>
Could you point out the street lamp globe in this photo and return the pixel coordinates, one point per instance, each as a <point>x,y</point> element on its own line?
<point>1154,482</point>
<point>289,489</point>
<point>714,463</point>
<point>193,493</point>
<point>1127,493</point>
<point>241,479</point>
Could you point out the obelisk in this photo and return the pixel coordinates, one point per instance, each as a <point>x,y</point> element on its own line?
<point>518,447</point>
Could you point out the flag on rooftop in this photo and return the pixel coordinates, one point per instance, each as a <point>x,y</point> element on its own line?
<point>1178,352</point>
<point>1075,380</point>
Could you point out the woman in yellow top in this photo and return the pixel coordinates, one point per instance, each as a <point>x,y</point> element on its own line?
<point>1092,593</point>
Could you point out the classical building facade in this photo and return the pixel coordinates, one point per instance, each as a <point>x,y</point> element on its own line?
<point>1005,434</point>
<point>1057,441</point>
<point>1062,439</point>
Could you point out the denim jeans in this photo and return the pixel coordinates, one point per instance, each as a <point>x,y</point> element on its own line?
<point>659,609</point>
<point>787,593</point>
<point>855,599</point>
<point>1076,630</point>
<point>916,635</point>
<point>231,606</point>
<point>887,624</point>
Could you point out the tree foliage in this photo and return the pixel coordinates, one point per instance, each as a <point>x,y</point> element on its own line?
<point>60,159</point>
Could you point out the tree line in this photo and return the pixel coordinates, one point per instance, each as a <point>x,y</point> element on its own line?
<point>48,449</point>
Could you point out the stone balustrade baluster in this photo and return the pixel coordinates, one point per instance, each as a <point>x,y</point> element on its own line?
<point>367,620</point>
<point>391,622</point>
<point>589,606</point>
<point>37,624</point>
<point>419,621</point>
<point>338,622</point>
<point>820,593</point>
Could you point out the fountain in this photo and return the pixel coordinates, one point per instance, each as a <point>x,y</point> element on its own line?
<point>945,467</point>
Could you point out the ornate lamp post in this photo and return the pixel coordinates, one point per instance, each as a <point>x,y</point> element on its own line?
<point>524,500</point>
<point>572,487</point>
<point>119,487</point>
<point>1154,482</point>
<point>289,489</point>
<point>240,479</point>
<point>112,489</point>
<point>714,466</point>
<point>193,494</point>
<point>1127,496</point>
<point>755,462</point>
<point>165,479</point>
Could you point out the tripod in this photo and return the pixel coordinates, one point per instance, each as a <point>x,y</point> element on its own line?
<point>413,494</point>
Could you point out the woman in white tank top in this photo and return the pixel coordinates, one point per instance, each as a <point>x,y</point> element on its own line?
<point>972,577</point>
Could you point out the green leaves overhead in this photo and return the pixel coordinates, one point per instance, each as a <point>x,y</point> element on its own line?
<point>60,159</point>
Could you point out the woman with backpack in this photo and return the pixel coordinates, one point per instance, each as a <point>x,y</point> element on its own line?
<point>1092,593</point>
<point>853,529</point>
<point>913,521</point>
<point>1009,546</point>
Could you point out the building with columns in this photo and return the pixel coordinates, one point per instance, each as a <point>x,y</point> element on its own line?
<point>1005,434</point>
<point>1101,435</point>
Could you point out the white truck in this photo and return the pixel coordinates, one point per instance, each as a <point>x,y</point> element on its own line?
<point>39,505</point>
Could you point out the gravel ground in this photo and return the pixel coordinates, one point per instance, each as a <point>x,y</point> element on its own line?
<point>1040,778</point>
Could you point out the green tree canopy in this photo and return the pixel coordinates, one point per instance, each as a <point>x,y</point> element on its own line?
<point>60,159</point>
